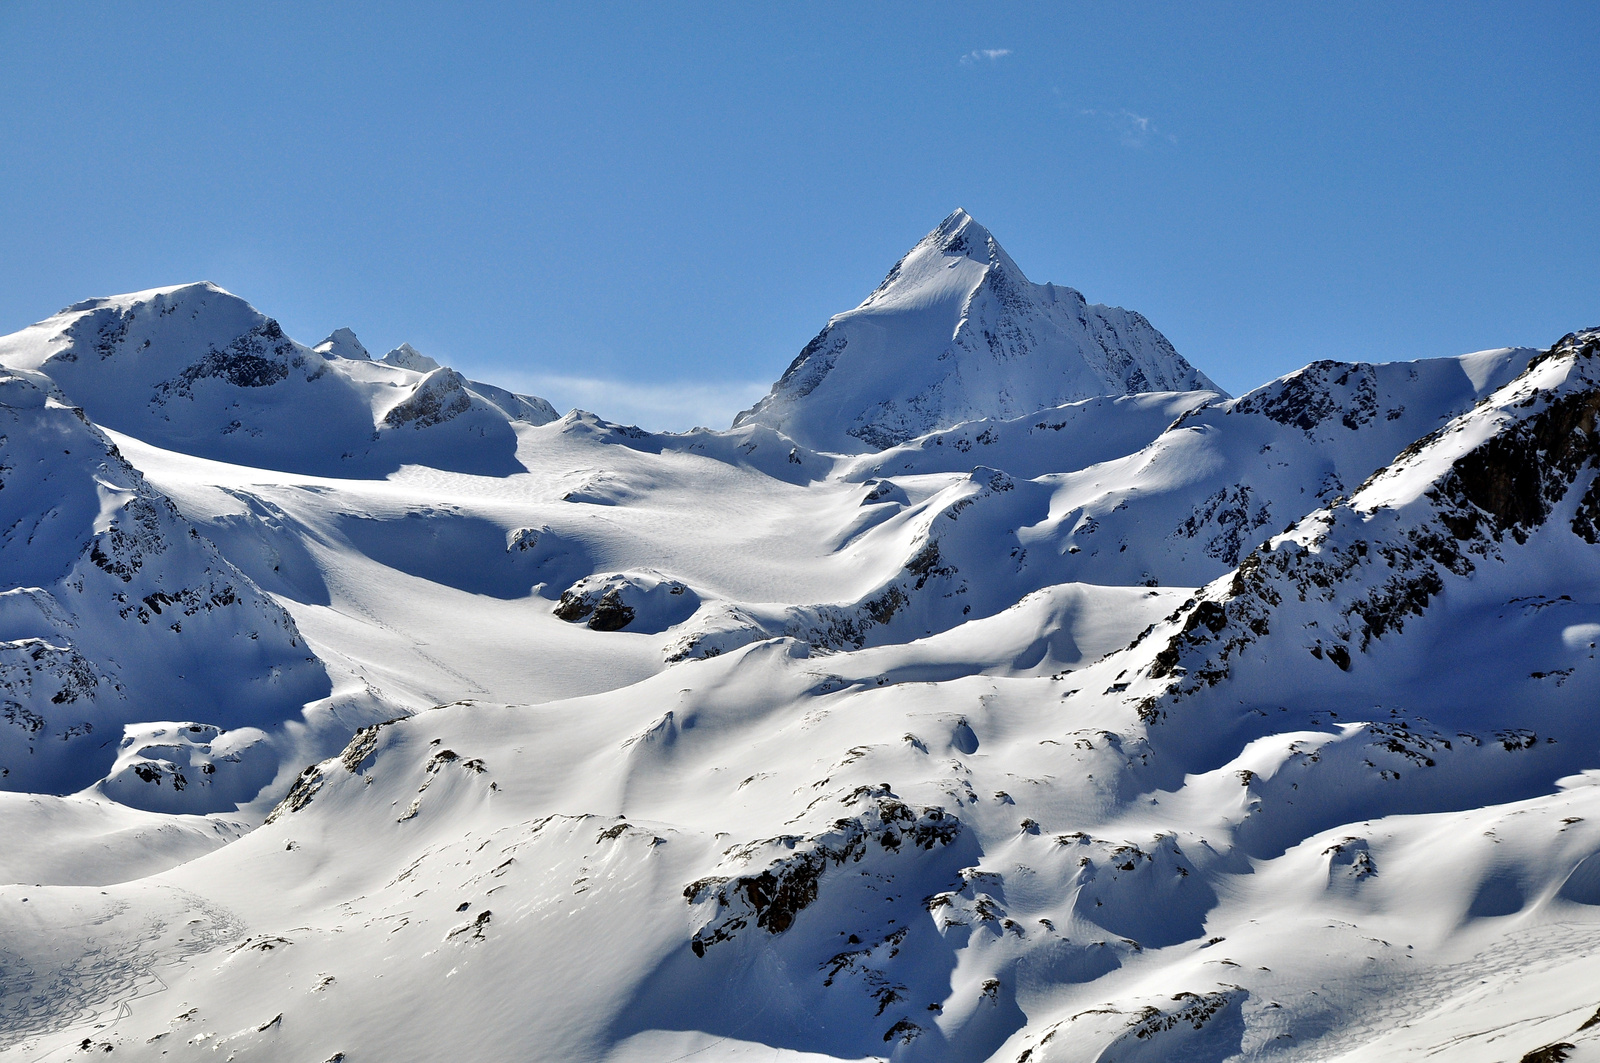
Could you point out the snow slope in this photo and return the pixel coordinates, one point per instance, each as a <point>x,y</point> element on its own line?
<point>955,332</point>
<point>1011,741</point>
<point>118,612</point>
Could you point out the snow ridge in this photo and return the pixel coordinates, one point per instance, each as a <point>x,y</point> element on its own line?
<point>199,370</point>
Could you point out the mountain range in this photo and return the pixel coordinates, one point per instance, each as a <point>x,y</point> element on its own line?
<point>996,688</point>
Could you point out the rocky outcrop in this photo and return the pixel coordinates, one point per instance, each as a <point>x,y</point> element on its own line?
<point>438,397</point>
<point>641,601</point>
<point>772,898</point>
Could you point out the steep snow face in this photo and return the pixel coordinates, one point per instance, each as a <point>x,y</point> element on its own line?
<point>1224,477</point>
<point>954,333</point>
<point>114,611</point>
<point>196,369</point>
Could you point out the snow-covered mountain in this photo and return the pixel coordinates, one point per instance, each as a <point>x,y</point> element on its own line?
<point>1118,724</point>
<point>199,370</point>
<point>955,333</point>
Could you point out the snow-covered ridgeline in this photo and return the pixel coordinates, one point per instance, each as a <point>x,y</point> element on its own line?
<point>199,370</point>
<point>932,850</point>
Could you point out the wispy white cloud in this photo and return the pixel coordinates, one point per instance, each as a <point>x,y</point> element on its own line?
<point>981,55</point>
<point>1133,130</point>
<point>666,407</point>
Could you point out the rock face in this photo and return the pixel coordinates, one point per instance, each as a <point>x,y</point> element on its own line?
<point>198,370</point>
<point>956,332</point>
<point>115,610</point>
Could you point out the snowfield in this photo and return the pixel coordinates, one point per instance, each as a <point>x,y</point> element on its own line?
<point>997,688</point>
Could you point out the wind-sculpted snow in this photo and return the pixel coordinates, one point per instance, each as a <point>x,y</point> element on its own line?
<point>1150,725</point>
<point>955,332</point>
<point>934,588</point>
<point>751,446</point>
<point>1228,475</point>
<point>1060,439</point>
<point>190,767</point>
<point>408,357</point>
<point>1181,509</point>
<point>342,343</point>
<point>1175,489</point>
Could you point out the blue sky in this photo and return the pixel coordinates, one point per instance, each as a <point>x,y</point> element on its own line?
<point>648,210</point>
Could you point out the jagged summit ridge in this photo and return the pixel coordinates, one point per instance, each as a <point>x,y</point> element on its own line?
<point>957,332</point>
<point>961,235</point>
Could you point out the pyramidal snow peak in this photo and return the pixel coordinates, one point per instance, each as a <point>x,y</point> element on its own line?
<point>342,343</point>
<point>408,357</point>
<point>995,691</point>
<point>954,333</point>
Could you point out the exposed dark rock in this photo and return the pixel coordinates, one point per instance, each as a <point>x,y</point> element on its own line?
<point>260,358</point>
<point>772,898</point>
<point>300,794</point>
<point>362,745</point>
<point>1194,1010</point>
<point>573,606</point>
<point>1307,399</point>
<point>609,613</point>
<point>441,396</point>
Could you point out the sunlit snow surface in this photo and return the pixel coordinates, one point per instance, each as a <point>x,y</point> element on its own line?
<point>1148,726</point>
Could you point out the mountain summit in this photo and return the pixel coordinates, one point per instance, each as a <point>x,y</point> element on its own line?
<point>957,332</point>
